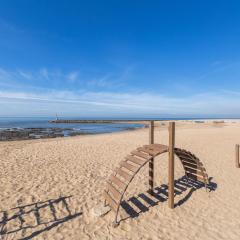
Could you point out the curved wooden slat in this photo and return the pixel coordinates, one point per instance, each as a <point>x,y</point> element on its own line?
<point>129,167</point>
<point>116,195</point>
<point>145,150</point>
<point>118,182</point>
<point>195,177</point>
<point>111,202</point>
<point>123,174</point>
<point>141,154</point>
<point>136,160</point>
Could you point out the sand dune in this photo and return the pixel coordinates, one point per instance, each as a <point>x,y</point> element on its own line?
<point>49,188</point>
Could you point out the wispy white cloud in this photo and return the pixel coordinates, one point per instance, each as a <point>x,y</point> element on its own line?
<point>73,76</point>
<point>21,77</point>
<point>16,95</point>
<point>26,75</point>
<point>109,103</point>
<point>104,81</point>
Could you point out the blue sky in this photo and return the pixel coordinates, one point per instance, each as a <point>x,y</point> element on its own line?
<point>120,58</point>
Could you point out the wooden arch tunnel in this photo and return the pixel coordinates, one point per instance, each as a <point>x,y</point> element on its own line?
<point>137,159</point>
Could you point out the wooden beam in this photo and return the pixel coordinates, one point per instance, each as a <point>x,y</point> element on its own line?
<point>237,155</point>
<point>151,162</point>
<point>171,165</point>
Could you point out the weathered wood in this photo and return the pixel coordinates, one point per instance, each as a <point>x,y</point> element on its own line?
<point>117,182</point>
<point>124,175</point>
<point>145,150</point>
<point>184,153</point>
<point>157,147</point>
<point>187,158</point>
<point>114,192</point>
<point>136,160</point>
<point>142,155</point>
<point>195,177</point>
<point>110,201</point>
<point>151,162</point>
<point>192,166</point>
<point>153,150</point>
<point>195,171</point>
<point>129,167</point>
<point>151,132</point>
<point>171,165</point>
<point>189,164</point>
<point>237,156</point>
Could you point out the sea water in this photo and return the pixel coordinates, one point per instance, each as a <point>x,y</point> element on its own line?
<point>85,128</point>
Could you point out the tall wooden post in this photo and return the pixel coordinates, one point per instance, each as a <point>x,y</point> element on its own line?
<point>151,162</point>
<point>171,165</point>
<point>237,155</point>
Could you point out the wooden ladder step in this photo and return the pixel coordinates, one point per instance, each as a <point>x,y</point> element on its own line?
<point>145,150</point>
<point>117,182</point>
<point>114,192</point>
<point>195,177</point>
<point>129,166</point>
<point>124,175</point>
<point>141,154</point>
<point>195,171</point>
<point>113,205</point>
<point>136,160</point>
<point>193,166</point>
<point>190,160</point>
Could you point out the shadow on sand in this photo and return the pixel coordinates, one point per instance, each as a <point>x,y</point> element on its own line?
<point>143,201</point>
<point>26,222</point>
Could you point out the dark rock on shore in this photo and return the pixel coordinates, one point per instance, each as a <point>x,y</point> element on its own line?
<point>32,133</point>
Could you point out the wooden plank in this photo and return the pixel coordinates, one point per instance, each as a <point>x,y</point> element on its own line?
<point>194,175</point>
<point>142,155</point>
<point>199,164</point>
<point>124,175</point>
<point>129,166</point>
<point>151,132</point>
<point>155,148</point>
<point>184,152</point>
<point>191,161</point>
<point>115,193</point>
<point>110,201</point>
<point>195,171</point>
<point>237,156</point>
<point>190,164</point>
<point>171,165</point>
<point>199,178</point>
<point>193,166</point>
<point>145,150</point>
<point>186,158</point>
<point>136,160</point>
<point>118,182</point>
<point>158,148</point>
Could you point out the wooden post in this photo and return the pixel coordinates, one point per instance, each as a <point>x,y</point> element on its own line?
<point>171,165</point>
<point>151,162</point>
<point>237,155</point>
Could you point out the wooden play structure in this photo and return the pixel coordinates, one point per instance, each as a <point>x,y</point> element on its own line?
<point>138,158</point>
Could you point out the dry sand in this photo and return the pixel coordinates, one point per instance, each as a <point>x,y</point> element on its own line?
<point>49,188</point>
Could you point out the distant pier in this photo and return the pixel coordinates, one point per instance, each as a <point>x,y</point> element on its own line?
<point>97,121</point>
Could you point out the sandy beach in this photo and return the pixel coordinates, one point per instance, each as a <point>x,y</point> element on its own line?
<point>51,188</point>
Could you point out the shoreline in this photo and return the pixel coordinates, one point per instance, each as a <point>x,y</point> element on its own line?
<point>55,135</point>
<point>160,125</point>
